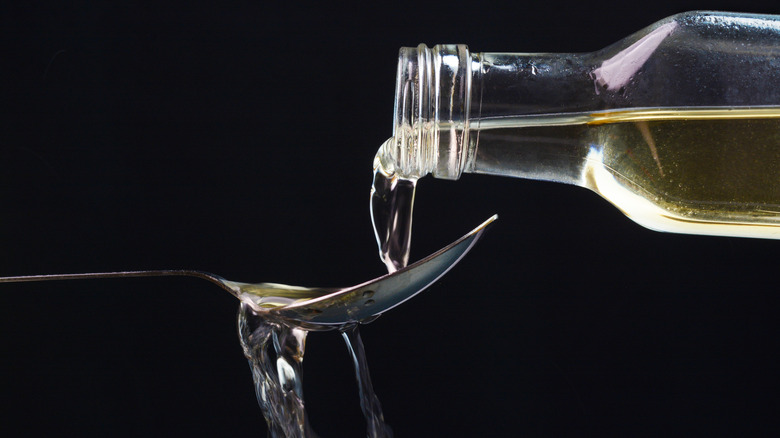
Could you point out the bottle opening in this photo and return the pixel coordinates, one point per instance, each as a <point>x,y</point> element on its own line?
<point>432,104</point>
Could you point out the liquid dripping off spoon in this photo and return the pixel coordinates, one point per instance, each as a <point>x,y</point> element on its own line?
<point>274,320</point>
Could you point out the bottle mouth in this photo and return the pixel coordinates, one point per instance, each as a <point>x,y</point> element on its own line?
<point>432,104</point>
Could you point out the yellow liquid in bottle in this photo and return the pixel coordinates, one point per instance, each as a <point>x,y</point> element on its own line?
<point>704,171</point>
<point>709,171</point>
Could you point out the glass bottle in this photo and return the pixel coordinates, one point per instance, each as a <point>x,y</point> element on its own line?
<point>677,125</point>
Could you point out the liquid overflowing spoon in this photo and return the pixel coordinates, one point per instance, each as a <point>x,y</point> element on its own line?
<point>277,317</point>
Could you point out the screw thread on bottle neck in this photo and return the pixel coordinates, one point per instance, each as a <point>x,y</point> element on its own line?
<point>432,104</point>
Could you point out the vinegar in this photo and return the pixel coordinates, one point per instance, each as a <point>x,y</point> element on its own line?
<point>697,171</point>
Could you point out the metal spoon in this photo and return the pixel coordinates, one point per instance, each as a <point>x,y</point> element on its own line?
<point>318,308</point>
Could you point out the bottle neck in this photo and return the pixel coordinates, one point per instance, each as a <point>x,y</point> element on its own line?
<point>433,98</point>
<point>450,104</point>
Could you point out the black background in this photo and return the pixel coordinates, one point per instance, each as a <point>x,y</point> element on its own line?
<point>239,140</point>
